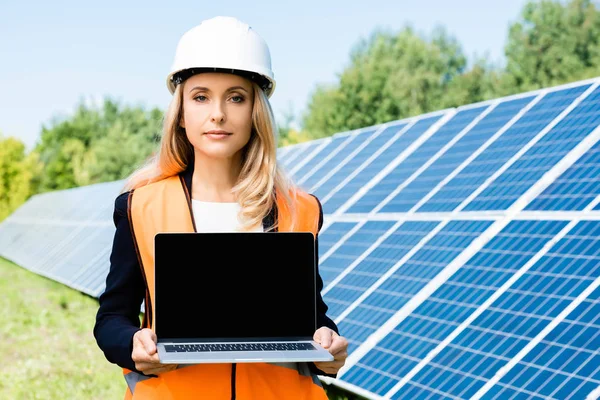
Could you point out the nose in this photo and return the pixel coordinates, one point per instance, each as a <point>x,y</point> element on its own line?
<point>218,114</point>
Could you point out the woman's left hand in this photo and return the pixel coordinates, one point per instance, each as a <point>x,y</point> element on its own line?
<point>337,346</point>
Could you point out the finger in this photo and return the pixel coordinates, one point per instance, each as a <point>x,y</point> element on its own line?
<point>148,339</point>
<point>323,336</point>
<point>140,354</point>
<point>338,345</point>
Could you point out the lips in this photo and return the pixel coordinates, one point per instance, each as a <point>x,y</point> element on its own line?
<point>218,132</point>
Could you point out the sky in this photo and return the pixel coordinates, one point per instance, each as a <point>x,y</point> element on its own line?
<point>56,54</point>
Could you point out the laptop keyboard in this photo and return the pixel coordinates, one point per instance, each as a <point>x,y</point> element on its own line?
<point>186,348</point>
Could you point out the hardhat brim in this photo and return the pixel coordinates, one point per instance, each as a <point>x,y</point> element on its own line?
<point>265,82</point>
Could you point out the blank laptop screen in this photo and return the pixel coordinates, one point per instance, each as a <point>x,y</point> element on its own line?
<point>235,285</point>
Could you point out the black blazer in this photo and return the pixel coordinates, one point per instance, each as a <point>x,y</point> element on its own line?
<point>117,319</point>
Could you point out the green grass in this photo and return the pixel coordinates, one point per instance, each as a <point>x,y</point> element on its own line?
<point>47,349</point>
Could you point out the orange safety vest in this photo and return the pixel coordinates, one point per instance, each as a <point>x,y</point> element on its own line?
<point>165,206</point>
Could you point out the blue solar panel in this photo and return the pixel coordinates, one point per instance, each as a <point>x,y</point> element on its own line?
<point>377,262</point>
<point>515,318</point>
<point>451,304</point>
<point>414,161</point>
<point>352,166</point>
<point>328,238</point>
<point>410,277</point>
<point>293,154</point>
<point>546,153</point>
<point>564,365</point>
<point>308,181</point>
<point>331,147</point>
<point>575,188</point>
<point>335,201</point>
<point>501,150</point>
<point>62,234</point>
<point>410,195</point>
<point>332,234</point>
<point>296,165</point>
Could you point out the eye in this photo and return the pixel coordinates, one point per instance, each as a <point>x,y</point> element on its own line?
<point>237,99</point>
<point>200,98</point>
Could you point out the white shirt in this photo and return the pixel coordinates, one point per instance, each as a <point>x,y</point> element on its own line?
<point>218,217</point>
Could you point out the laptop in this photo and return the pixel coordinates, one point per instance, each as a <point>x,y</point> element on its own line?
<point>225,297</point>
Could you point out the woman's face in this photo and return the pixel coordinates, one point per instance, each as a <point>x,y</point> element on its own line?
<point>217,102</point>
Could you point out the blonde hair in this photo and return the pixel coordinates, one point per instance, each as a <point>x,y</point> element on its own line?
<point>260,182</point>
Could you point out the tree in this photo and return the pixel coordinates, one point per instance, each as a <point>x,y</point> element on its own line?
<point>390,76</point>
<point>482,81</point>
<point>552,44</point>
<point>97,144</point>
<point>16,174</point>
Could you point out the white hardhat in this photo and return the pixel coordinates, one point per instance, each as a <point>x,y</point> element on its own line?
<point>222,44</point>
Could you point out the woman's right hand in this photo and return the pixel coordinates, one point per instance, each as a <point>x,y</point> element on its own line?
<point>145,355</point>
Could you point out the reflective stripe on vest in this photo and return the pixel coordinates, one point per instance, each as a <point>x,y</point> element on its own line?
<point>165,206</point>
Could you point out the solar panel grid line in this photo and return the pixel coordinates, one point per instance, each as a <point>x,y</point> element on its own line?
<point>57,222</point>
<point>340,242</point>
<point>433,158</point>
<point>283,151</point>
<point>558,169</point>
<point>421,154</point>
<point>295,153</point>
<point>283,158</point>
<point>61,254</point>
<point>555,371</point>
<point>525,148</point>
<point>320,144</point>
<point>402,156</point>
<point>475,154</point>
<point>571,159</point>
<point>424,292</point>
<point>365,142</point>
<point>594,394</point>
<point>455,191</point>
<point>391,270</point>
<point>536,340</point>
<point>345,139</point>
<point>333,163</point>
<point>65,243</point>
<point>550,149</point>
<point>374,338</point>
<point>563,215</point>
<point>369,160</point>
<point>449,338</point>
<point>395,216</point>
<point>92,260</point>
<point>360,258</point>
<point>572,252</point>
<point>506,370</point>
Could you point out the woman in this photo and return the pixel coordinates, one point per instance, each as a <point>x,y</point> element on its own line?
<point>215,170</point>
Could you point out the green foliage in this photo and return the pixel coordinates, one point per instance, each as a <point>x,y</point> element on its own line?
<point>398,75</point>
<point>16,174</point>
<point>551,44</point>
<point>391,75</point>
<point>97,144</point>
<point>482,82</point>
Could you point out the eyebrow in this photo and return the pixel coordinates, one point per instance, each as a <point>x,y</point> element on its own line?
<point>231,89</point>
